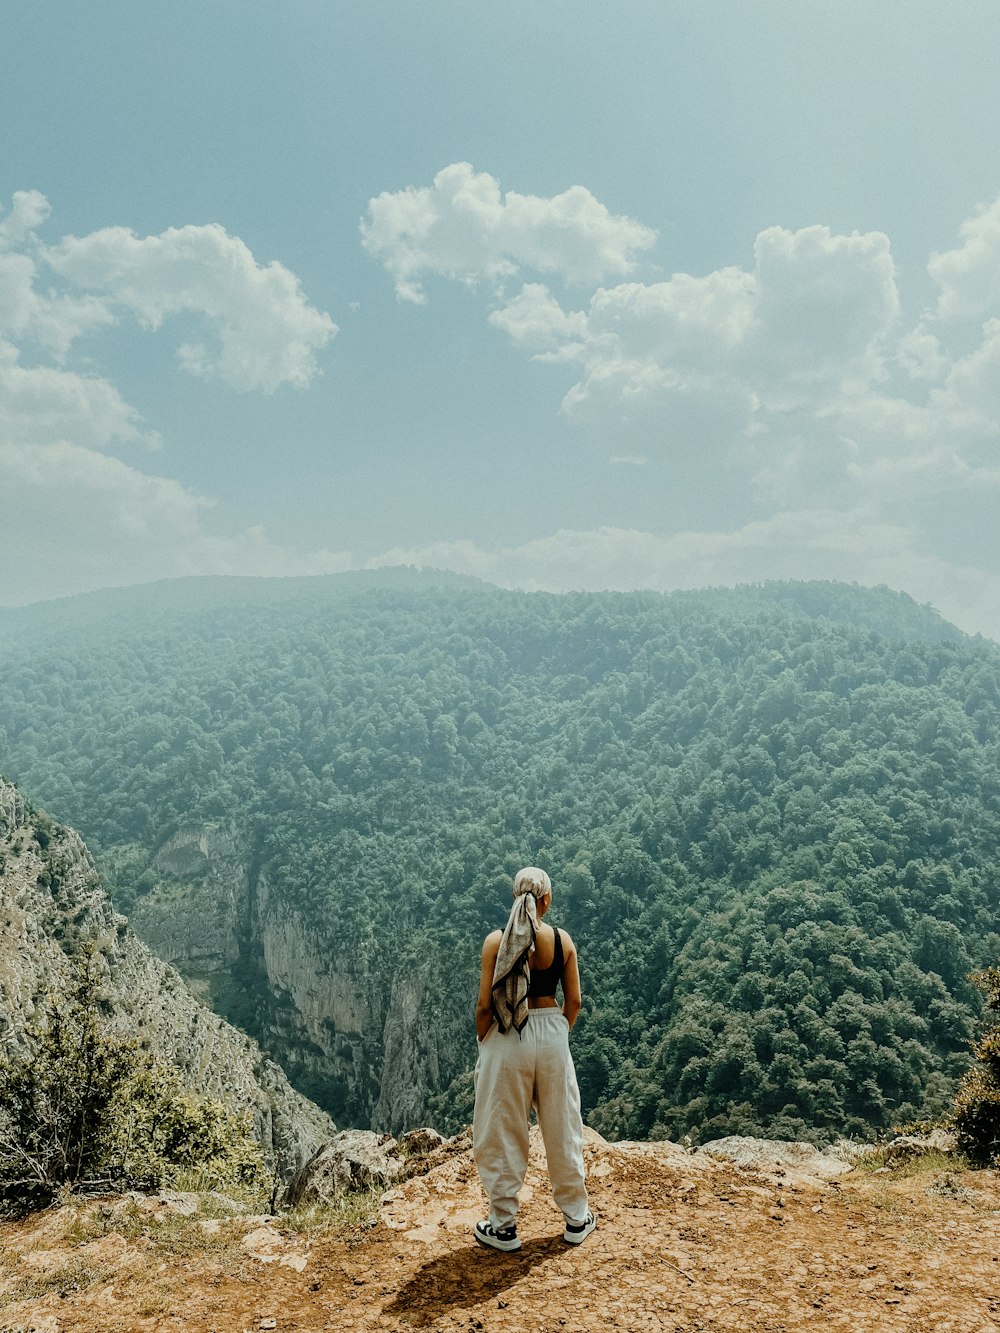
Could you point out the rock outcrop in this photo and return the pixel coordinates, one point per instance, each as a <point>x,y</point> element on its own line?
<point>351,1033</point>
<point>50,899</point>
<point>359,1159</point>
<point>777,1157</point>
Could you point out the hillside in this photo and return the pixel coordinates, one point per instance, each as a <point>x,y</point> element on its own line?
<point>683,1243</point>
<point>771,816</point>
<point>52,903</point>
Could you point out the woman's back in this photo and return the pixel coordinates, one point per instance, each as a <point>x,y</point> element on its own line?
<point>544,951</point>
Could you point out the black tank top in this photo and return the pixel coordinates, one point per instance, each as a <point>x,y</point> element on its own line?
<point>545,980</point>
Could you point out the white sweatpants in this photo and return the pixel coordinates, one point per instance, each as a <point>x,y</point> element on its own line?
<point>512,1074</point>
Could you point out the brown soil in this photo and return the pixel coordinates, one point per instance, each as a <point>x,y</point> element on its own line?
<point>682,1244</point>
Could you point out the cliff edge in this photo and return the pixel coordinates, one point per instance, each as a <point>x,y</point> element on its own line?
<point>684,1242</point>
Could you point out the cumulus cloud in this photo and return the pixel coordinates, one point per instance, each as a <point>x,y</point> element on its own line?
<point>51,320</point>
<point>810,314</point>
<point>968,277</point>
<point>28,210</point>
<point>782,370</point>
<point>264,331</point>
<point>258,329</point>
<point>794,370</point>
<point>822,302</point>
<point>84,520</point>
<point>42,404</point>
<point>76,516</point>
<point>463,227</point>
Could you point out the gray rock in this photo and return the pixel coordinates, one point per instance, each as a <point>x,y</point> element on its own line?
<point>420,1142</point>
<point>356,1159</point>
<point>775,1155</point>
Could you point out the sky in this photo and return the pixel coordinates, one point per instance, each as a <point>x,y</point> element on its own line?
<point>558,293</point>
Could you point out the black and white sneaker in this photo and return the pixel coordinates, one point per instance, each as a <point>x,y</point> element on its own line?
<point>507,1239</point>
<point>576,1235</point>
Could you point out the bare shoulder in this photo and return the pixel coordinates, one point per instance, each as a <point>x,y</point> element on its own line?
<point>491,944</point>
<point>568,946</point>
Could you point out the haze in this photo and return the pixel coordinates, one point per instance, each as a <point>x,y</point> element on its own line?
<point>560,295</point>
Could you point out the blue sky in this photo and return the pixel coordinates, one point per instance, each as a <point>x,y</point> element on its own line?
<point>560,294</point>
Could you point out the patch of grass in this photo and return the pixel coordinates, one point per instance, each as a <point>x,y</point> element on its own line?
<point>204,1180</point>
<point>351,1212</point>
<point>91,1224</point>
<point>878,1157</point>
<point>155,1303</point>
<point>73,1276</point>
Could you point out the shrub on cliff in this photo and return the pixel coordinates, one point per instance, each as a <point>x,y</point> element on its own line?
<point>977,1104</point>
<point>90,1110</point>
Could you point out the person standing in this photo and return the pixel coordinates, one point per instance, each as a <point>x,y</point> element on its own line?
<point>524,1061</point>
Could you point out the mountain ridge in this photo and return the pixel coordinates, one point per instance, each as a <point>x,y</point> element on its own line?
<point>199,593</point>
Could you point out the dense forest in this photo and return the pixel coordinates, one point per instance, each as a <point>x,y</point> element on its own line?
<point>771,815</point>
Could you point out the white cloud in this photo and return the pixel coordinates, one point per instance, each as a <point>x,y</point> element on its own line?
<point>28,210</point>
<point>628,460</point>
<point>43,404</point>
<point>919,353</point>
<point>463,228</point>
<point>53,322</point>
<point>75,519</point>
<point>535,319</point>
<point>264,331</point>
<point>75,516</point>
<point>973,382</point>
<point>822,302</point>
<point>782,371</point>
<point>968,277</point>
<point>810,314</point>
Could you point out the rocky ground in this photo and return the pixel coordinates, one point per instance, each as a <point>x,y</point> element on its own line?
<point>684,1242</point>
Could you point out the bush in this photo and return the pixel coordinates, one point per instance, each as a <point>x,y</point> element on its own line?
<point>91,1110</point>
<point>976,1115</point>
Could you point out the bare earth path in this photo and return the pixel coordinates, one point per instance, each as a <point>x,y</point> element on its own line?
<point>682,1244</point>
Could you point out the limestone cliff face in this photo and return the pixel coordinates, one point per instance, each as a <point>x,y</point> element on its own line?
<point>195,917</point>
<point>50,896</point>
<point>410,1063</point>
<point>350,1032</point>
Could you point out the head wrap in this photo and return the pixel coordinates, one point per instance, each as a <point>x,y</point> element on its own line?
<point>510,976</point>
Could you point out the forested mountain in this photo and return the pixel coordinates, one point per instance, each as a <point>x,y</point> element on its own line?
<point>771,816</point>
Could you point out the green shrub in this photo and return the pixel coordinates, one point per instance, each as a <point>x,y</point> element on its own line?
<point>90,1110</point>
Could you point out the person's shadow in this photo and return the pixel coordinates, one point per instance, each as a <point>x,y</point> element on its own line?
<point>467,1277</point>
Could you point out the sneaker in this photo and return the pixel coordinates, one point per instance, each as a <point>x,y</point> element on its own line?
<point>507,1239</point>
<point>576,1235</point>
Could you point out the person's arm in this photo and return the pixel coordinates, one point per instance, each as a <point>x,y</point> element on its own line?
<point>570,980</point>
<point>484,1004</point>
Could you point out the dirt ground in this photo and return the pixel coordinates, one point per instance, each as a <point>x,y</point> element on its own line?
<point>682,1244</point>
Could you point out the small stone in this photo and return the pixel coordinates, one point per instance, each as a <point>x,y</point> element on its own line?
<point>268,1323</point>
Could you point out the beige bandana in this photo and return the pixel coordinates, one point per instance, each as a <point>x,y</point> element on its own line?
<point>510,976</point>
